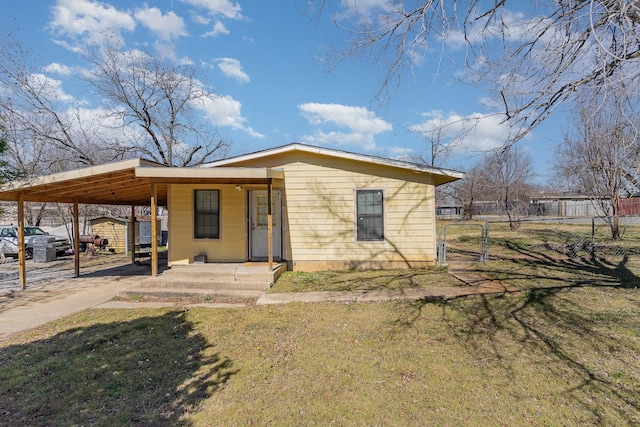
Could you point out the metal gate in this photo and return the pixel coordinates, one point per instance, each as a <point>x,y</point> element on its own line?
<point>465,248</point>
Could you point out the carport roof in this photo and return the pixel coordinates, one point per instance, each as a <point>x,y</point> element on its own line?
<point>126,183</point>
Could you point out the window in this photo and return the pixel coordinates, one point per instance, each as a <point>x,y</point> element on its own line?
<point>8,232</point>
<point>34,231</point>
<point>206,217</point>
<point>262,210</point>
<point>370,219</point>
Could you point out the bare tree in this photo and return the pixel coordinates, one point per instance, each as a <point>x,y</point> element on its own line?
<point>166,101</point>
<point>44,129</point>
<point>534,54</point>
<point>504,177</point>
<point>154,108</point>
<point>508,176</point>
<point>442,139</point>
<point>7,171</point>
<point>601,154</point>
<point>468,190</point>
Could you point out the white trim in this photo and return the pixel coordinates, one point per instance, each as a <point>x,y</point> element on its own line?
<point>384,215</point>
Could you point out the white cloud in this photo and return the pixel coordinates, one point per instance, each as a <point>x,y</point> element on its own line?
<point>224,8</point>
<point>232,68</point>
<point>165,49</point>
<point>184,60</point>
<point>253,132</point>
<point>475,132</point>
<point>49,88</point>
<point>216,11</point>
<point>358,119</point>
<point>69,46</point>
<point>103,124</point>
<point>166,27</point>
<point>224,111</point>
<point>56,68</point>
<point>402,153</point>
<point>361,123</point>
<point>89,21</point>
<point>365,10</point>
<point>218,28</point>
<point>200,19</point>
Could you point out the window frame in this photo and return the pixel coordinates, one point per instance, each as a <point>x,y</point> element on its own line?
<point>196,233</point>
<point>381,215</point>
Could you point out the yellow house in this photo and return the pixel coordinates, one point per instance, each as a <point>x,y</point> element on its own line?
<point>330,210</point>
<point>307,207</point>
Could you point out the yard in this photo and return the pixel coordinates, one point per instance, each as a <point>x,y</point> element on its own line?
<point>568,357</point>
<point>565,351</point>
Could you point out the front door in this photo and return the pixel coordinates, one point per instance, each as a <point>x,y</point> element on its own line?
<point>258,215</point>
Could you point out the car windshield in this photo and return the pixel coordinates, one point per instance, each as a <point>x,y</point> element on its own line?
<point>34,231</point>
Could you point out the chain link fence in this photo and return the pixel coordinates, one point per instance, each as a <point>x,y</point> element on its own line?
<point>567,237</point>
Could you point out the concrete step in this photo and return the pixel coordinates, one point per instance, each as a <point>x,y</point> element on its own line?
<point>214,276</point>
<point>203,294</point>
<point>223,272</point>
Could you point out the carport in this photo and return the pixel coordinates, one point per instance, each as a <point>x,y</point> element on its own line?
<point>135,182</point>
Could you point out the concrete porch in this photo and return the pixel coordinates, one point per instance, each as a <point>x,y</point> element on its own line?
<point>219,280</point>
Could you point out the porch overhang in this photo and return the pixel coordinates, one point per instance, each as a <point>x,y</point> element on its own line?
<point>135,182</point>
<point>126,183</point>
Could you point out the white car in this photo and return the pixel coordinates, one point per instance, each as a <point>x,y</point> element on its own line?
<point>9,240</point>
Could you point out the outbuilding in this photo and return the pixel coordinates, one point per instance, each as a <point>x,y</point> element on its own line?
<point>118,232</point>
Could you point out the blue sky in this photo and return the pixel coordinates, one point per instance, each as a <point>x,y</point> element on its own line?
<point>266,62</point>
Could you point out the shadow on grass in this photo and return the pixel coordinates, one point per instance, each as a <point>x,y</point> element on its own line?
<point>574,319</point>
<point>369,280</point>
<point>592,348</point>
<point>142,371</point>
<point>574,270</point>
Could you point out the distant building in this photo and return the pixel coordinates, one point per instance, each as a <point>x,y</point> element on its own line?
<point>565,204</point>
<point>118,231</point>
<point>629,206</point>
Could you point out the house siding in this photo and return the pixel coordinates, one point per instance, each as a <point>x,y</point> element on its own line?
<point>232,244</point>
<point>320,212</point>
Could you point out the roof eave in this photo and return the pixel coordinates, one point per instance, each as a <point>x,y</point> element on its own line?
<point>454,175</point>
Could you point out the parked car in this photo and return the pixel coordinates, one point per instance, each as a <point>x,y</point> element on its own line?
<point>9,240</point>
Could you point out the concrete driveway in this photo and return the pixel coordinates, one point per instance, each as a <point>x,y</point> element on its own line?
<point>42,303</point>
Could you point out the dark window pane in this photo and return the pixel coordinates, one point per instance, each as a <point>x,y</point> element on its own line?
<point>206,214</point>
<point>370,223</point>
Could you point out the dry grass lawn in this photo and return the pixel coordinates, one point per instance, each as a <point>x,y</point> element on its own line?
<point>564,355</point>
<point>354,280</point>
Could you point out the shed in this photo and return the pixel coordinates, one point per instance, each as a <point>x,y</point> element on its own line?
<point>117,231</point>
